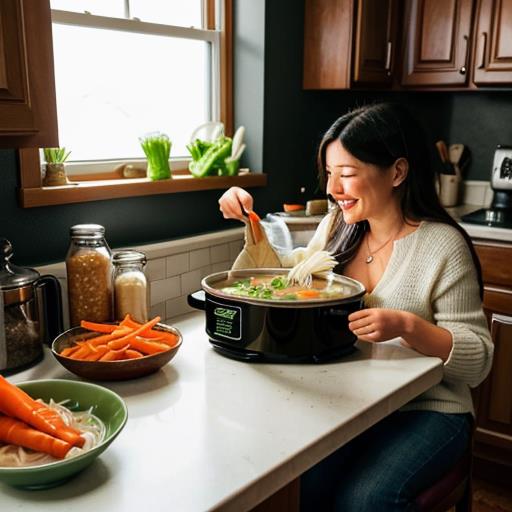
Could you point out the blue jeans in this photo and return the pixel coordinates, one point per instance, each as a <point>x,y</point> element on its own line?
<point>387,466</point>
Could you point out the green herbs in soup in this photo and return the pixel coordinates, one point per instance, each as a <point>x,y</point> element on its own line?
<point>272,287</point>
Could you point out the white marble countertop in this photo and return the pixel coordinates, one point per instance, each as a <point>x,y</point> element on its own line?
<point>207,432</point>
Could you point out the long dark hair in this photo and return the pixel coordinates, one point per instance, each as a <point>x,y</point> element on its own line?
<point>380,134</point>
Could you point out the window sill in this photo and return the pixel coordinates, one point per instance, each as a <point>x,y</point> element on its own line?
<point>86,191</point>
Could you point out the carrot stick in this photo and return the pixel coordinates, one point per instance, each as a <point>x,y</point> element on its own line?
<point>18,404</point>
<point>95,356</point>
<point>69,350</point>
<point>168,338</point>
<point>254,220</point>
<point>118,343</point>
<point>94,326</point>
<point>147,346</point>
<point>115,355</point>
<point>133,354</point>
<point>13,431</point>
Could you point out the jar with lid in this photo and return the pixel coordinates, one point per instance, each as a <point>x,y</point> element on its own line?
<point>130,285</point>
<point>89,272</point>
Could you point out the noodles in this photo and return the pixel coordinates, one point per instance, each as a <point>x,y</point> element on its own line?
<point>319,263</point>
<point>92,430</point>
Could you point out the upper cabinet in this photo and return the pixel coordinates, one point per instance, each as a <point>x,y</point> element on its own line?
<point>28,113</point>
<point>407,44</point>
<point>349,43</point>
<point>493,43</point>
<point>438,42</point>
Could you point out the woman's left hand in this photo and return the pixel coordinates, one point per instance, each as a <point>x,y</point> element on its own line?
<point>377,324</point>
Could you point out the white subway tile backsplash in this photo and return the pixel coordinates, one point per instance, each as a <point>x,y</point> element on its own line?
<point>191,281</point>
<point>177,306</point>
<point>178,264</point>
<point>199,258</point>
<point>158,310</point>
<point>219,253</point>
<point>220,267</point>
<point>155,269</point>
<point>165,289</point>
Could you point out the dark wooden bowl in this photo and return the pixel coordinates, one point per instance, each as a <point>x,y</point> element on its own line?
<point>111,370</point>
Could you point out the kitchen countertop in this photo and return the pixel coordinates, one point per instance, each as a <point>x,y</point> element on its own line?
<point>207,432</point>
<point>479,231</point>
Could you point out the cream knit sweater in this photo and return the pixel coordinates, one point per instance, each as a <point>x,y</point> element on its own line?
<point>431,274</point>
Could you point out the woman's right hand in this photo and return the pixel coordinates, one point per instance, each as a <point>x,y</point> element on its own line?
<point>232,202</point>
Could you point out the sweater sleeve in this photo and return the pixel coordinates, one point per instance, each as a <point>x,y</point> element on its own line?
<point>317,243</point>
<point>457,307</point>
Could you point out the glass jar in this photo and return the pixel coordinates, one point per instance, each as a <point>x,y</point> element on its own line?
<point>130,285</point>
<point>89,272</point>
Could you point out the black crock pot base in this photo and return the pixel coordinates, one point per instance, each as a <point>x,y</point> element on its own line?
<point>261,357</point>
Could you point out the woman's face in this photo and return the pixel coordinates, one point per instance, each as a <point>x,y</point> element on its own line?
<point>363,191</point>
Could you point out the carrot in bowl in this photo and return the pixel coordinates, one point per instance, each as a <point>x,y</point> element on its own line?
<point>13,431</point>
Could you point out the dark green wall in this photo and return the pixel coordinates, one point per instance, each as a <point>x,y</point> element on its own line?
<point>293,123</point>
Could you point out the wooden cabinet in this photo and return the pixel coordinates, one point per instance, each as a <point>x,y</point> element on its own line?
<point>493,437</point>
<point>438,42</point>
<point>493,43</point>
<point>28,113</point>
<point>349,43</point>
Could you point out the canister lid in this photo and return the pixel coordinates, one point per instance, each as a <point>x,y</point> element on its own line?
<point>91,231</point>
<point>12,276</point>
<point>128,256</point>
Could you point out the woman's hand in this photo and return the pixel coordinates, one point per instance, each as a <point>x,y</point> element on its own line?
<point>377,324</point>
<point>232,202</point>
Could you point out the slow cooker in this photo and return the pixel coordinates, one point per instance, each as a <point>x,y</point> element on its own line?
<point>284,331</point>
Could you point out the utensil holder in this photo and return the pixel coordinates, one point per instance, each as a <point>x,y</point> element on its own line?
<point>449,186</point>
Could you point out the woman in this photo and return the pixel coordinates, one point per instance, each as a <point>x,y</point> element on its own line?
<point>423,283</point>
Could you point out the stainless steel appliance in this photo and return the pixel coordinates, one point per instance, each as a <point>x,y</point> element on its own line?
<point>499,214</point>
<point>30,312</point>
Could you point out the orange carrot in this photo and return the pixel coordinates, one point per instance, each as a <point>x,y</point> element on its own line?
<point>166,337</point>
<point>69,350</point>
<point>18,404</point>
<point>148,346</point>
<point>169,338</point>
<point>115,355</point>
<point>118,343</point>
<point>133,354</point>
<point>94,326</point>
<point>308,294</point>
<point>95,356</point>
<point>13,431</point>
<point>254,220</point>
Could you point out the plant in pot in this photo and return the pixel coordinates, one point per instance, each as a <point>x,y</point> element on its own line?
<point>55,172</point>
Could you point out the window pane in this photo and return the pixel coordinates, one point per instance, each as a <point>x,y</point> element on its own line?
<point>113,87</point>
<point>183,13</point>
<point>113,8</point>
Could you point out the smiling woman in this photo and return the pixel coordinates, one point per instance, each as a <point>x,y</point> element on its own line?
<point>187,76</point>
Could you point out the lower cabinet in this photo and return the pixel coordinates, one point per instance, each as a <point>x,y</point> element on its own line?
<point>493,399</point>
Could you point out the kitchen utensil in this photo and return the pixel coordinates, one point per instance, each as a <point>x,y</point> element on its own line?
<point>455,153</point>
<point>30,312</point>
<point>294,331</point>
<point>111,370</point>
<point>444,156</point>
<point>106,405</point>
<point>499,214</point>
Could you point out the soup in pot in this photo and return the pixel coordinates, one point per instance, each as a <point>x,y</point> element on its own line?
<point>277,287</point>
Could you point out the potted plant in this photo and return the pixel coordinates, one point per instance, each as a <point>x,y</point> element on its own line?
<point>55,173</point>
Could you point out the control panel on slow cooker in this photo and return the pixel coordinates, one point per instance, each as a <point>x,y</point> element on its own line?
<point>506,168</point>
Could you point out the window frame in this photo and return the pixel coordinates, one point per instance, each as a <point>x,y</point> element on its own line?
<point>106,184</point>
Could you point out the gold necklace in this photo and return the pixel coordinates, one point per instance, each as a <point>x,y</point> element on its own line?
<point>370,258</point>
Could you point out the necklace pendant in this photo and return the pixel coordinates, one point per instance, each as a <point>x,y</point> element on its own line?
<point>369,259</point>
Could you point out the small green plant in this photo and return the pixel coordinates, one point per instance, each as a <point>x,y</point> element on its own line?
<point>55,155</point>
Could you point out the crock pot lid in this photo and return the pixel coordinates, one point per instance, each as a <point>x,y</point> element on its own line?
<point>12,276</point>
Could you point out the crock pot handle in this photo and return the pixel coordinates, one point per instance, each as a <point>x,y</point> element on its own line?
<point>197,300</point>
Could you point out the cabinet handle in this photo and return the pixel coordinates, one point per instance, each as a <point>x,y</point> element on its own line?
<point>483,44</point>
<point>463,69</point>
<point>388,58</point>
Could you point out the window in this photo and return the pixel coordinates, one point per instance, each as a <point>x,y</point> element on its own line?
<point>124,68</point>
<point>116,80</point>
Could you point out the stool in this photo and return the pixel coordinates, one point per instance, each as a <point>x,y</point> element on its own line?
<point>452,490</point>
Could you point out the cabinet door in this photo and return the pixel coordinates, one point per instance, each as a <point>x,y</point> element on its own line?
<point>375,42</point>
<point>28,114</point>
<point>437,45</point>
<point>493,43</point>
<point>327,44</point>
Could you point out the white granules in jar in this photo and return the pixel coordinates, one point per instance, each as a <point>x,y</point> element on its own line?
<point>130,295</point>
<point>89,287</point>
